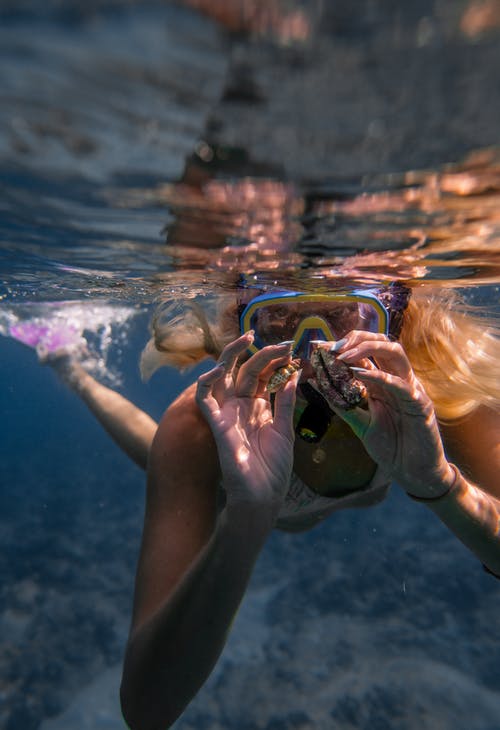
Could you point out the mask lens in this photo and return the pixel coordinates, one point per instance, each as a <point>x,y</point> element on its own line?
<point>275,323</point>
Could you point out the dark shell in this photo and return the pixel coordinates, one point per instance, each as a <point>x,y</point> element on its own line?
<point>336,381</point>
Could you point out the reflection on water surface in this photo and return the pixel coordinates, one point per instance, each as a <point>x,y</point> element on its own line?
<point>439,225</point>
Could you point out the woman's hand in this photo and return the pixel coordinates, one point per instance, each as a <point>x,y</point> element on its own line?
<point>399,429</point>
<point>255,447</point>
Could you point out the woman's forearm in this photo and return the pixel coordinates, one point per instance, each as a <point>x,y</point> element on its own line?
<point>171,654</point>
<point>129,427</point>
<point>474,517</point>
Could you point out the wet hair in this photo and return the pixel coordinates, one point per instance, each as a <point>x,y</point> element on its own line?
<point>185,332</point>
<point>453,348</point>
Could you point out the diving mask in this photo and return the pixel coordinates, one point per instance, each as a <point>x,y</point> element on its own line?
<point>306,317</point>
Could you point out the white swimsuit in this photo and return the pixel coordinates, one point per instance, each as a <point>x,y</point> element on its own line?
<point>304,508</point>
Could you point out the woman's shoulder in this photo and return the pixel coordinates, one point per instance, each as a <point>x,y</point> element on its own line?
<point>183,413</point>
<point>183,447</point>
<point>182,427</point>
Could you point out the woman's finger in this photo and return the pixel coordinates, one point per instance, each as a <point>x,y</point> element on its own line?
<point>234,350</point>
<point>250,379</point>
<point>205,399</point>
<point>330,347</point>
<point>230,356</point>
<point>389,356</point>
<point>354,337</point>
<point>409,395</point>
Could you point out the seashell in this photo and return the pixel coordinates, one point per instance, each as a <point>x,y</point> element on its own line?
<point>280,376</point>
<point>335,380</point>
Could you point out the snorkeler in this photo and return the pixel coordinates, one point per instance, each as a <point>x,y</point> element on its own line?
<point>260,463</point>
<point>331,436</point>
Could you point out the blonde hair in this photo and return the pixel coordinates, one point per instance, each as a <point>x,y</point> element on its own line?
<point>184,333</point>
<point>454,352</point>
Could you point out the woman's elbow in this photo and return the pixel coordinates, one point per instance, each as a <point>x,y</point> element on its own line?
<point>133,713</point>
<point>129,712</point>
<point>143,712</point>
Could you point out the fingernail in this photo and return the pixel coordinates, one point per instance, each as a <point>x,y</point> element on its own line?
<point>343,355</point>
<point>358,370</point>
<point>286,342</point>
<point>338,345</point>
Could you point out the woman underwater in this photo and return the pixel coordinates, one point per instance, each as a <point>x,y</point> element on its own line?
<point>229,461</point>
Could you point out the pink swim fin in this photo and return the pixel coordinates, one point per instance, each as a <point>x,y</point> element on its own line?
<point>47,337</point>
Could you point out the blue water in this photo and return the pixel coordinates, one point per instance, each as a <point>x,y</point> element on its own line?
<point>377,619</point>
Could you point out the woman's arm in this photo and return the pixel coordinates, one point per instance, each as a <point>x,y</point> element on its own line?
<point>129,427</point>
<point>473,516</point>
<point>195,564</point>
<point>400,432</point>
<point>193,570</point>
<point>472,508</point>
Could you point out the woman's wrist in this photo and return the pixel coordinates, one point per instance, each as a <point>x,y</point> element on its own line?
<point>253,502</point>
<point>249,509</point>
<point>445,488</point>
<point>71,372</point>
<point>249,518</point>
<point>473,516</point>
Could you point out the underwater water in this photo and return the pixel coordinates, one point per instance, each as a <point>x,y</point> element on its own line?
<point>147,152</point>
